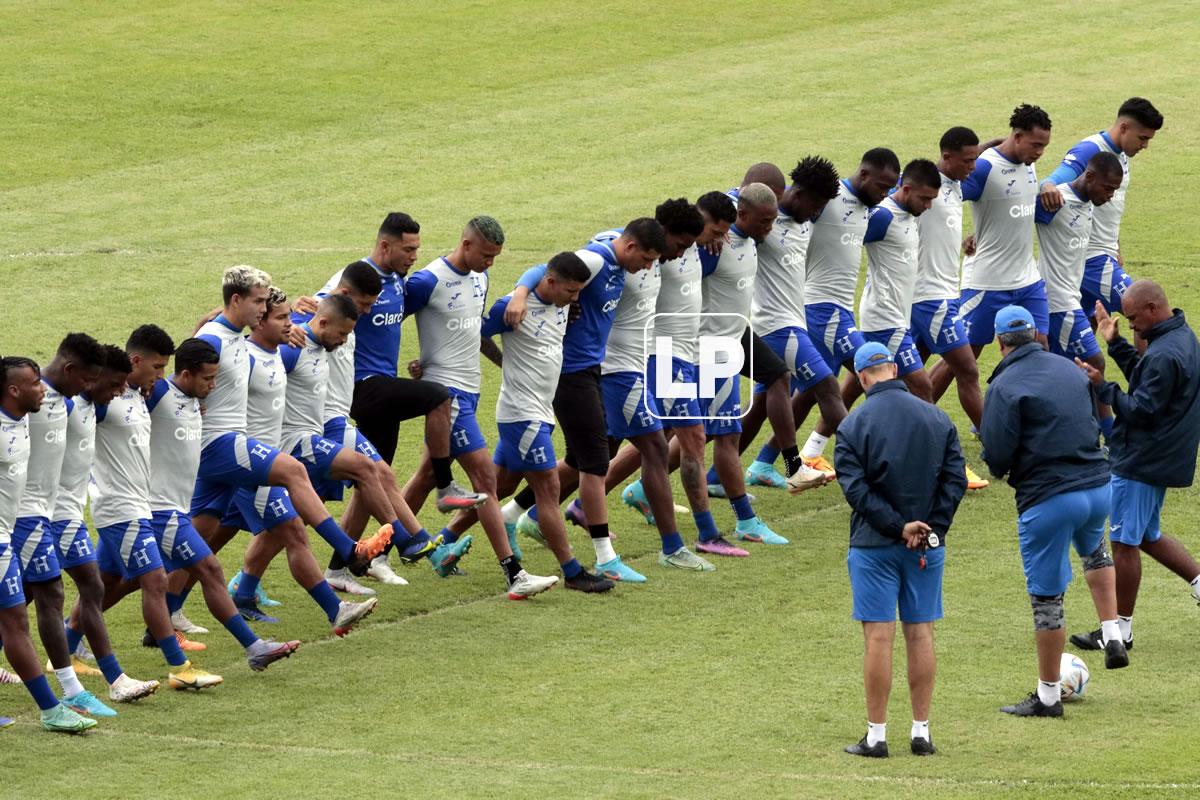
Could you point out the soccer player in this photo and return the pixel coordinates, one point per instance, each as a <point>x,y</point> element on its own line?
<point>1104,274</point>
<point>902,471</point>
<point>1040,429</point>
<point>833,260</point>
<point>21,392</point>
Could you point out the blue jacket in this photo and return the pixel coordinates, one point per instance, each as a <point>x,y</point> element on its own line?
<point>1157,426</point>
<point>898,461</point>
<point>1039,426</point>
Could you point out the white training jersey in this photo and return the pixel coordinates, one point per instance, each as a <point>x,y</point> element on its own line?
<point>891,243</point>
<point>339,394</point>
<point>449,306</point>
<point>628,345</point>
<point>14,463</point>
<point>677,308</point>
<point>77,460</point>
<point>941,241</point>
<point>47,448</point>
<point>727,289</point>
<point>1106,219</point>
<point>835,249</point>
<point>225,408</point>
<point>1062,246</point>
<point>265,396</point>
<point>175,432</point>
<point>1003,195</point>
<point>532,359</point>
<point>120,487</point>
<point>308,375</point>
<point>779,285</point>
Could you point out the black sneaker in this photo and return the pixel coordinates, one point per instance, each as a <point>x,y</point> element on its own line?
<point>588,582</point>
<point>148,639</point>
<point>1094,641</point>
<point>861,748</point>
<point>922,747</point>
<point>1033,706</point>
<point>1116,654</point>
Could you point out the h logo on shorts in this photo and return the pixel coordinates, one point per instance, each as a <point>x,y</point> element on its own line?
<point>82,548</point>
<point>140,557</point>
<point>844,344</point>
<point>185,551</point>
<point>278,507</point>
<point>260,451</point>
<point>537,455</point>
<point>461,438</point>
<point>39,565</point>
<point>907,357</point>
<point>804,372</point>
<point>12,586</point>
<point>323,446</point>
<point>719,359</point>
<point>950,334</point>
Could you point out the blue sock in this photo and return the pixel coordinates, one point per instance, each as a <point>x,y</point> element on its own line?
<point>170,650</point>
<point>671,542</point>
<point>240,630</point>
<point>333,534</point>
<point>768,454</point>
<point>174,602</point>
<point>712,476</point>
<point>571,569</point>
<point>247,587</point>
<point>419,538</point>
<point>401,538</point>
<point>532,513</point>
<point>448,536</point>
<point>326,599</point>
<point>74,637</point>
<point>183,596</point>
<point>43,695</point>
<point>1106,427</point>
<point>109,666</point>
<point>706,525</point>
<point>742,507</point>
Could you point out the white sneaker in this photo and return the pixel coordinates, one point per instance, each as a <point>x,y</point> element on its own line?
<point>1196,591</point>
<point>382,571</point>
<point>806,478</point>
<point>343,581</point>
<point>125,689</point>
<point>7,677</point>
<point>526,585</point>
<point>185,625</point>
<point>351,613</point>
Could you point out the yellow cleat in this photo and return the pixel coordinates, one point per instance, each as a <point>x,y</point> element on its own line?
<point>82,668</point>
<point>820,463</point>
<point>974,482</point>
<point>187,676</point>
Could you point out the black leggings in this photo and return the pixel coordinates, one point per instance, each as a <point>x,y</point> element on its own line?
<point>382,403</point>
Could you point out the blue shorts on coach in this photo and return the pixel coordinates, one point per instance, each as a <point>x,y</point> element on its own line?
<point>884,578</point>
<point>1047,531</point>
<point>1136,511</point>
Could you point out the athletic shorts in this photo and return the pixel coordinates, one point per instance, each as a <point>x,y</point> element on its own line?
<point>579,407</point>
<point>767,366</point>
<point>128,549</point>
<point>342,431</point>
<point>833,333</point>
<point>1047,530</point>
<point>978,308</point>
<point>795,347</point>
<point>465,435</point>
<point>74,543</point>
<point>34,543</point>
<point>11,592</point>
<point>317,454</point>
<point>628,404</point>
<point>1136,511</point>
<point>381,403</point>
<point>674,412</point>
<point>884,578</point>
<point>899,343</point>
<point>233,460</point>
<point>937,326</point>
<point>179,542</point>
<point>1104,280</point>
<point>257,510</point>
<point>723,412</point>
<point>525,446</point>
<point>1071,335</point>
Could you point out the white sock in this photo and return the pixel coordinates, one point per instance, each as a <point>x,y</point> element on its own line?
<point>1049,692</point>
<point>69,681</point>
<point>1109,630</point>
<point>1126,626</point>
<point>511,512</point>
<point>815,445</point>
<point>876,733</point>
<point>920,730</point>
<point>604,550</point>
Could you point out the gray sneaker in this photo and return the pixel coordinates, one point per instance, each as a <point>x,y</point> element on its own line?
<point>685,559</point>
<point>455,498</point>
<point>351,613</point>
<point>266,652</point>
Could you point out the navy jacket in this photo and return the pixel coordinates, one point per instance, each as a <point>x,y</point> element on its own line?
<point>1039,426</point>
<point>898,460</point>
<point>1157,425</point>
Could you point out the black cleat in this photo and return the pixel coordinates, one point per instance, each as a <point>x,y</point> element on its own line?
<point>1094,641</point>
<point>922,747</point>
<point>148,639</point>
<point>1033,706</point>
<point>1116,654</point>
<point>861,748</point>
<point>588,582</point>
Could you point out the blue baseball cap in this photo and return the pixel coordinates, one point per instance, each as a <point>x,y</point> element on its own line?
<point>872,354</point>
<point>1011,319</point>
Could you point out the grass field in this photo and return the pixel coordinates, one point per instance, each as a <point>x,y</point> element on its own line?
<point>148,146</point>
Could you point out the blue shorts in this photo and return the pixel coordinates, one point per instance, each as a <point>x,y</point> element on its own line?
<point>723,413</point>
<point>317,454</point>
<point>258,510</point>
<point>342,431</point>
<point>937,326</point>
<point>180,544</point>
<point>129,549</point>
<point>1046,531</point>
<point>1104,280</point>
<point>233,460</point>
<point>525,446</point>
<point>796,348</point>
<point>465,435</point>
<point>674,412</point>
<point>1136,509</point>
<point>74,544</point>
<point>978,307</point>
<point>1071,335</point>
<point>11,593</point>
<point>833,333</point>
<point>899,343</point>
<point>628,405</point>
<point>34,542</point>
<point>882,578</point>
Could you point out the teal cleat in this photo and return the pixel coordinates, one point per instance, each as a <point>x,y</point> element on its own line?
<point>716,490</point>
<point>618,570</point>
<point>763,474</point>
<point>446,556</point>
<point>61,719</point>
<point>86,703</point>
<point>634,496</point>
<point>260,594</point>
<point>755,530</point>
<point>510,528</point>
<point>529,527</point>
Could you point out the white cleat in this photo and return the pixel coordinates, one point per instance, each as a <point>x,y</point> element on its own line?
<point>349,614</point>
<point>382,571</point>
<point>806,478</point>
<point>526,585</point>
<point>125,689</point>
<point>185,625</point>
<point>7,677</point>
<point>342,581</point>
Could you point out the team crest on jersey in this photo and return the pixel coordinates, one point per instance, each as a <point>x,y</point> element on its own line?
<point>454,301</point>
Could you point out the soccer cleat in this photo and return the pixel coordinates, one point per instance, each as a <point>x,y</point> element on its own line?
<point>685,559</point>
<point>61,719</point>
<point>1116,655</point>
<point>510,529</point>
<point>716,490</point>
<point>806,478</point>
<point>415,551</point>
<point>6,721</point>
<point>187,676</point>
<point>125,689</point>
<point>260,594</point>
<point>618,570</point>
<point>587,582</point>
<point>574,514</point>
<point>342,581</point>
<point>1094,640</point>
<point>721,546</point>
<point>755,530</point>
<point>367,548</point>
<point>185,625</point>
<point>266,652</point>
<point>921,746</point>
<point>861,748</point>
<point>820,463</point>
<point>251,612</point>
<point>381,570</point>
<point>1196,592</point>
<point>7,677</point>
<point>83,654</point>
<point>527,526</point>
<point>455,498</point>
<point>634,496</point>
<point>974,482</point>
<point>761,473</point>
<point>184,643</point>
<point>1033,706</point>
<point>87,703</point>
<point>447,555</point>
<point>350,614</point>
<point>82,669</point>
<point>526,585</point>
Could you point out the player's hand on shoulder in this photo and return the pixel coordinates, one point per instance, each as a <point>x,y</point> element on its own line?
<point>514,312</point>
<point>296,336</point>
<point>968,245</point>
<point>915,533</point>
<point>1050,196</point>
<point>716,245</point>
<point>305,305</point>
<point>414,369</point>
